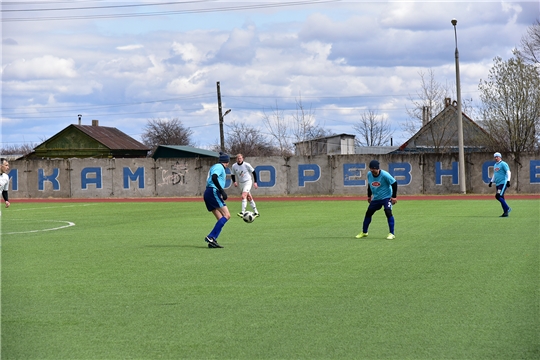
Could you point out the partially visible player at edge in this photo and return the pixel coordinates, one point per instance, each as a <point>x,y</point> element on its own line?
<point>501,178</point>
<point>4,180</point>
<point>382,191</point>
<point>244,170</point>
<point>215,196</point>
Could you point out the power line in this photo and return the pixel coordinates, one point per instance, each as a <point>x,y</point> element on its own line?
<point>101,7</point>
<point>165,13</point>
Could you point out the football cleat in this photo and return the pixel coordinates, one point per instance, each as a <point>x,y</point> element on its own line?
<point>361,235</point>
<point>505,214</point>
<point>256,214</point>
<point>240,214</point>
<point>390,236</point>
<point>212,243</point>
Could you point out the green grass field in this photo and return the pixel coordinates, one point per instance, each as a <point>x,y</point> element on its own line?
<point>136,281</point>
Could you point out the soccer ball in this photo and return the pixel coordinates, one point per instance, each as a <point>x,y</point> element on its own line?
<point>248,217</point>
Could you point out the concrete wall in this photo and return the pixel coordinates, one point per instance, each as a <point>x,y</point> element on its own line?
<point>297,175</point>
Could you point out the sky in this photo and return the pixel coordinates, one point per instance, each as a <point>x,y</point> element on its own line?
<point>127,62</point>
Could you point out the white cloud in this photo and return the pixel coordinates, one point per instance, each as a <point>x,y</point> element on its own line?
<point>340,58</point>
<point>129,47</point>
<point>44,67</point>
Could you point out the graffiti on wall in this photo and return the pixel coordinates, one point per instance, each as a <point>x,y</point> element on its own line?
<point>176,175</point>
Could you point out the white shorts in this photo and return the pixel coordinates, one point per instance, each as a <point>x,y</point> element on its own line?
<point>245,186</point>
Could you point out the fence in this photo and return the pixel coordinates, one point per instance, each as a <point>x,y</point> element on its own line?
<point>297,175</point>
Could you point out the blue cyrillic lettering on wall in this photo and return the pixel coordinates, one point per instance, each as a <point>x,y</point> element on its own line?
<point>14,179</point>
<point>401,172</point>
<point>439,173</point>
<point>352,174</point>
<point>303,177</point>
<point>535,171</point>
<point>485,171</point>
<point>52,178</point>
<point>138,174</point>
<point>266,169</point>
<point>85,180</point>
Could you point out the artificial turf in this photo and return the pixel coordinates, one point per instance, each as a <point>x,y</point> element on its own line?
<point>136,281</point>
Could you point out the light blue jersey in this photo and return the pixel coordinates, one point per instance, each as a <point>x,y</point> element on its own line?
<point>218,169</point>
<point>500,173</point>
<point>381,186</point>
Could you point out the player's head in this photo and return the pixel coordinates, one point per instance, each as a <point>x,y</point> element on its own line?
<point>374,167</point>
<point>239,159</point>
<point>4,166</point>
<point>224,158</point>
<point>497,156</point>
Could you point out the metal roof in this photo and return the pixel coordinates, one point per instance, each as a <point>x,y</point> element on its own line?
<point>181,151</point>
<point>112,138</point>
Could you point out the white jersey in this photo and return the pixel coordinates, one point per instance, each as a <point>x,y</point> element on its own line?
<point>243,172</point>
<point>4,182</point>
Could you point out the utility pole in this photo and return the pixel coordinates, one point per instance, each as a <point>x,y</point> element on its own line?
<point>221,135</point>
<point>462,185</point>
<point>221,116</point>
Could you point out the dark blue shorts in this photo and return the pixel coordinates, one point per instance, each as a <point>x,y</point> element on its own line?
<point>378,204</point>
<point>501,189</point>
<point>213,199</point>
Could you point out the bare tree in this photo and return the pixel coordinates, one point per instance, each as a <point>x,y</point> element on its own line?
<point>247,140</point>
<point>530,44</point>
<point>23,149</point>
<point>374,130</point>
<point>166,132</point>
<point>511,105</point>
<point>279,128</point>
<point>305,125</point>
<point>430,101</point>
<point>301,126</point>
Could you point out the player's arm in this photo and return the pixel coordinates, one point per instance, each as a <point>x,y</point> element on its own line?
<point>6,197</point>
<point>394,192</point>
<point>255,185</point>
<point>508,176</point>
<point>215,180</point>
<point>491,180</point>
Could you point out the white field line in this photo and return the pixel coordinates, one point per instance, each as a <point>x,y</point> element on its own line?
<point>69,223</point>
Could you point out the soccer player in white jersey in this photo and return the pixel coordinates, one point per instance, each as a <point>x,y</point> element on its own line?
<point>501,178</point>
<point>244,171</point>
<point>4,180</point>
<point>382,192</point>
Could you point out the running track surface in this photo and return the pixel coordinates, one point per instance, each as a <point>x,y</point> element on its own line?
<point>281,198</point>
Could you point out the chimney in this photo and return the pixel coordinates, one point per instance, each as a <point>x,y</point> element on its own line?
<point>446,102</point>
<point>80,117</point>
<point>426,115</point>
<point>95,122</point>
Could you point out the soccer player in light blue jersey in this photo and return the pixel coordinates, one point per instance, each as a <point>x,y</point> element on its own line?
<point>382,192</point>
<point>215,196</point>
<point>501,178</point>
